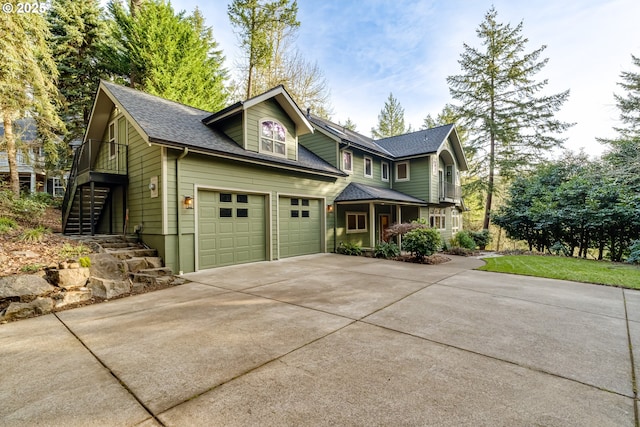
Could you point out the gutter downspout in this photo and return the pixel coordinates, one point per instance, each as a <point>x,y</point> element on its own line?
<point>185,151</point>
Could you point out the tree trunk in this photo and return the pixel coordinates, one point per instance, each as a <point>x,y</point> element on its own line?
<point>492,163</point>
<point>14,178</point>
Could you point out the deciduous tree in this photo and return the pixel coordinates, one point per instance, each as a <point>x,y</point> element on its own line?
<point>256,22</point>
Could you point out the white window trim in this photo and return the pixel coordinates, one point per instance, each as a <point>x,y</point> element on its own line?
<point>408,172</point>
<point>350,171</point>
<point>455,221</point>
<point>382,166</point>
<point>365,167</point>
<point>273,141</point>
<point>357,230</point>
<point>441,215</point>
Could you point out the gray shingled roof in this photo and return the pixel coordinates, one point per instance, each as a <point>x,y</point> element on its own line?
<point>361,192</point>
<point>170,123</point>
<point>415,143</point>
<point>349,136</point>
<point>24,129</point>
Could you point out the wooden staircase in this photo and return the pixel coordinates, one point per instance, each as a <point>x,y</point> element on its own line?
<point>79,218</point>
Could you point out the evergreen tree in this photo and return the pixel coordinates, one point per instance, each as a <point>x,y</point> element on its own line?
<point>27,84</point>
<point>390,120</point>
<point>77,39</point>
<point>167,54</point>
<point>623,154</point>
<point>256,23</point>
<point>511,125</point>
<point>349,124</point>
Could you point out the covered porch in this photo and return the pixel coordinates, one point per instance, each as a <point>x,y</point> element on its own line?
<point>363,213</point>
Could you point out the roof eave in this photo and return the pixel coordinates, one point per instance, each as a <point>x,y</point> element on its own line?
<point>246,159</point>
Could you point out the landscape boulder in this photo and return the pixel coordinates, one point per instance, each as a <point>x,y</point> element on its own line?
<point>107,288</point>
<point>24,310</point>
<point>70,278</point>
<point>73,297</point>
<point>23,285</point>
<point>107,266</point>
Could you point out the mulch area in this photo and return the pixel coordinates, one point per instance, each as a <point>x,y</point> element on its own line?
<point>431,260</point>
<point>21,257</point>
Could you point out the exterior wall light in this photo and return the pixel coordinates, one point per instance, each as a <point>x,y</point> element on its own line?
<point>188,202</point>
<point>329,208</point>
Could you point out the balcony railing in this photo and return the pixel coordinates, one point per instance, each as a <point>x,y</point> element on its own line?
<point>449,192</point>
<point>102,156</point>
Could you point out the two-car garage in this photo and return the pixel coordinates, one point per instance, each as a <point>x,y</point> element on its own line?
<point>235,227</point>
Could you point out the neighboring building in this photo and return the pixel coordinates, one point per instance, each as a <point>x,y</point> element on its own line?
<point>30,159</point>
<point>258,180</point>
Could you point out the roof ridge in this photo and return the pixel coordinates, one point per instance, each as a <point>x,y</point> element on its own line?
<point>131,89</point>
<point>416,131</point>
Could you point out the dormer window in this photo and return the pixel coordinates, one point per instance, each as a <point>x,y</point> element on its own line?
<point>273,138</point>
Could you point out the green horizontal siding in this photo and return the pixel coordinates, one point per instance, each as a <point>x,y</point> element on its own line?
<point>419,182</point>
<point>232,127</point>
<point>270,109</point>
<point>322,146</point>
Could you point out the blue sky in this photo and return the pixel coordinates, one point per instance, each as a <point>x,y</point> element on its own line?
<point>368,49</point>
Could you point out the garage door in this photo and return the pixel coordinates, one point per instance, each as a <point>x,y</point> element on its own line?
<point>231,228</point>
<point>300,226</point>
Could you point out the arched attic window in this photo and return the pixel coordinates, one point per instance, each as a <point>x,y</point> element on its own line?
<point>273,137</point>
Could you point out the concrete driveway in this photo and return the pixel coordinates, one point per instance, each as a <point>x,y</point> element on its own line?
<point>332,340</point>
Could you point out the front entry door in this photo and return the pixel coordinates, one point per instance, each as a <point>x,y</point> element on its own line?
<point>383,223</point>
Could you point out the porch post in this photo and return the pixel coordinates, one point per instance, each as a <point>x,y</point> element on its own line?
<point>32,184</point>
<point>92,207</point>
<point>399,219</point>
<point>372,229</point>
<point>81,207</point>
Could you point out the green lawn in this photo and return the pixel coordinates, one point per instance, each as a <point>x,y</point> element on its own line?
<point>579,270</point>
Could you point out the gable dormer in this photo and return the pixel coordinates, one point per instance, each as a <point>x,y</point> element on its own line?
<point>269,124</point>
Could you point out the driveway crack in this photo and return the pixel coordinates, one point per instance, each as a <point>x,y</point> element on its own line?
<point>113,374</point>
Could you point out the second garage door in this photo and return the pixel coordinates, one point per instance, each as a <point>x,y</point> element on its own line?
<point>231,228</point>
<point>300,226</point>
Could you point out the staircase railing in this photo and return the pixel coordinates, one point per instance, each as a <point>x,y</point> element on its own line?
<point>95,156</point>
<point>70,191</point>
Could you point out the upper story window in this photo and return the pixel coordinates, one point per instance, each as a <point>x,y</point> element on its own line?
<point>368,167</point>
<point>273,138</point>
<point>402,171</point>
<point>112,139</point>
<point>385,171</point>
<point>347,161</point>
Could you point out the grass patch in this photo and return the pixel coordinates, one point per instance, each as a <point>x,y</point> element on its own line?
<point>576,269</point>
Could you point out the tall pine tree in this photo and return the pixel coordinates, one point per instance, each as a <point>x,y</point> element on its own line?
<point>27,84</point>
<point>77,40</point>
<point>510,123</point>
<point>390,120</point>
<point>168,54</point>
<point>623,154</point>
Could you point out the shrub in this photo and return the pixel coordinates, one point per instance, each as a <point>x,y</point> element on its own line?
<point>386,250</point>
<point>33,235</point>
<point>559,248</point>
<point>403,228</point>
<point>7,224</point>
<point>31,268</point>
<point>482,238</point>
<point>422,242</point>
<point>349,249</point>
<point>71,251</point>
<point>463,239</point>
<point>634,252</point>
<point>28,210</point>
<point>457,250</point>
<point>84,261</point>
<point>44,198</point>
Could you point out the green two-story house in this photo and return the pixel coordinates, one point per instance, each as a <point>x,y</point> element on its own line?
<point>259,180</point>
